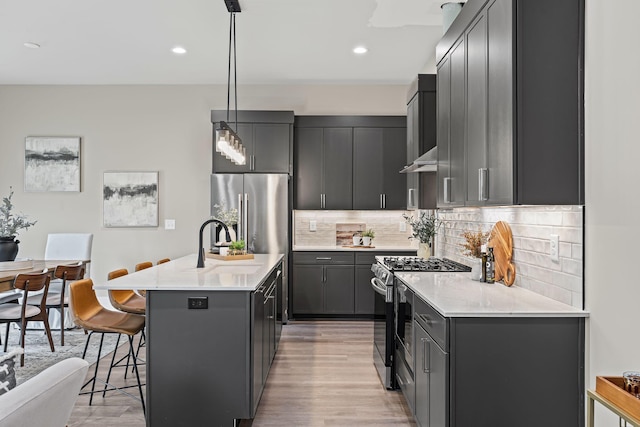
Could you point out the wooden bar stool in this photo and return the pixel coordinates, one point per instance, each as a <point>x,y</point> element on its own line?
<point>23,312</point>
<point>59,300</point>
<point>92,316</point>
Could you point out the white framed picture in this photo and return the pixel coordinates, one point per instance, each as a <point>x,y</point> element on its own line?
<point>130,199</point>
<point>52,163</point>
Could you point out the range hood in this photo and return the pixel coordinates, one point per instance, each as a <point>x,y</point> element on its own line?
<point>426,163</point>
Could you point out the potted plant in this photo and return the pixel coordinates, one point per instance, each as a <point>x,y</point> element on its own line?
<point>423,228</point>
<point>474,240</point>
<point>367,237</point>
<point>10,224</point>
<point>237,248</point>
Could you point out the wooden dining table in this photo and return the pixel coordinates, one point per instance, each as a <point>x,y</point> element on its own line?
<point>7,276</point>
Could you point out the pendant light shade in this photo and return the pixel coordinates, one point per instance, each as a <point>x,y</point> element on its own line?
<point>227,142</point>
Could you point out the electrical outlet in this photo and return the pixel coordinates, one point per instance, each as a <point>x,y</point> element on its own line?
<point>169,224</point>
<point>403,226</point>
<point>313,226</point>
<point>198,303</point>
<point>554,247</point>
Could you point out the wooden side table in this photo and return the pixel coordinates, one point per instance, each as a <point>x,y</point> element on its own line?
<point>592,396</point>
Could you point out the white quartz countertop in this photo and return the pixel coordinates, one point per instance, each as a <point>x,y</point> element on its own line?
<point>350,249</point>
<point>456,295</point>
<point>182,275</point>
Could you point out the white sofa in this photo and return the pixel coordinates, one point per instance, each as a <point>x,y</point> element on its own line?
<point>46,399</point>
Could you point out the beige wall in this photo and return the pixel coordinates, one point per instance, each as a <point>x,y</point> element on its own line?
<point>612,152</point>
<point>143,128</point>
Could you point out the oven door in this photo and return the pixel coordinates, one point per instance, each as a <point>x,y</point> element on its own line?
<point>404,322</point>
<point>383,332</point>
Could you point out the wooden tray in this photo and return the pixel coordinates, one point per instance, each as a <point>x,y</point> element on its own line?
<point>358,246</point>
<point>230,257</point>
<point>612,389</point>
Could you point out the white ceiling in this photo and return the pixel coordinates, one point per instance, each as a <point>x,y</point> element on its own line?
<point>278,41</point>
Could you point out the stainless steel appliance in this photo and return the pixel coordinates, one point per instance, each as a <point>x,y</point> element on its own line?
<point>391,328</point>
<point>262,201</point>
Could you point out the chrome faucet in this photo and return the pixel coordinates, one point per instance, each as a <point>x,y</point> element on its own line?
<point>201,245</point>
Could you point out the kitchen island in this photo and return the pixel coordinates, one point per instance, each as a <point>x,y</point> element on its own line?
<point>211,335</point>
<point>488,355</point>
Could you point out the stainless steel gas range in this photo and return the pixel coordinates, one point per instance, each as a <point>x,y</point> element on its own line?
<point>391,328</point>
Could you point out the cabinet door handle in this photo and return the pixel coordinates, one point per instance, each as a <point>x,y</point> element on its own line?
<point>323,258</point>
<point>380,201</point>
<point>384,201</point>
<point>411,204</point>
<point>324,274</point>
<point>252,162</point>
<point>425,352</point>
<point>447,190</point>
<point>483,184</point>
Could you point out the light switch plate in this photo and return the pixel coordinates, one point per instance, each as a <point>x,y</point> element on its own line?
<point>403,226</point>
<point>313,226</point>
<point>169,224</point>
<point>554,247</point>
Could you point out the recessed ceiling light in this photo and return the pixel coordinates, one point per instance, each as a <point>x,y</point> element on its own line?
<point>31,45</point>
<point>360,50</point>
<point>179,50</point>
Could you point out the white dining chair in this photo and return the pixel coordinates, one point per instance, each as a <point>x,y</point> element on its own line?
<point>65,246</point>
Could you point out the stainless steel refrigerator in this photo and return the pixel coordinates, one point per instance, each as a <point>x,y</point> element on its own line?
<point>262,201</point>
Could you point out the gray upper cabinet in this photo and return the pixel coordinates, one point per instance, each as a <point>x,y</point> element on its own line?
<point>378,156</point>
<point>514,96</point>
<point>267,137</point>
<point>349,162</point>
<point>322,159</point>
<point>421,137</point>
<point>451,128</point>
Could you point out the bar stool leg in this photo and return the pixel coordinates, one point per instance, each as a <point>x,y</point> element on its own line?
<point>113,358</point>
<point>62,322</point>
<point>95,373</point>
<point>135,367</point>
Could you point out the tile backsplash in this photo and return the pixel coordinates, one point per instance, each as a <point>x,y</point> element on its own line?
<point>386,225</point>
<point>532,227</point>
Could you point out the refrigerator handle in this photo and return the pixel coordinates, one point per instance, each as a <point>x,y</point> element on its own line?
<point>245,220</point>
<point>240,217</point>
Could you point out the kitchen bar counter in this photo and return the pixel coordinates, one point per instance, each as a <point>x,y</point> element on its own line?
<point>456,295</point>
<point>182,275</point>
<point>211,335</point>
<point>376,248</point>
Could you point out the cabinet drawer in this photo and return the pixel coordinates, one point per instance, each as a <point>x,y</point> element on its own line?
<point>434,323</point>
<point>323,258</point>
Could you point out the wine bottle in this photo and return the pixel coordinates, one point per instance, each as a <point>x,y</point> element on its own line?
<point>490,266</point>
<point>483,278</point>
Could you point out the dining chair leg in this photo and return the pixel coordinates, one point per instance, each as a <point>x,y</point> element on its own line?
<point>6,337</point>
<point>135,367</point>
<point>23,328</point>
<point>62,323</point>
<point>48,331</point>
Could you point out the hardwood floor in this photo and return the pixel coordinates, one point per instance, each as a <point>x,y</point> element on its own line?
<point>322,375</point>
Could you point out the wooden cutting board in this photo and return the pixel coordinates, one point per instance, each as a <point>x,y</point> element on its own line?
<point>501,240</point>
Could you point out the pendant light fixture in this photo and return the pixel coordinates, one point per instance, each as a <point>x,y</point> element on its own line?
<point>228,143</point>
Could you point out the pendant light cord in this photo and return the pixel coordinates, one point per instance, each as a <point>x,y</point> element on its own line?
<point>235,70</point>
<point>229,66</point>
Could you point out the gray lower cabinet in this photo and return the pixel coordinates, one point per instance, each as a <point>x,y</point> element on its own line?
<point>494,371</point>
<point>323,289</point>
<point>211,363</point>
<point>267,137</point>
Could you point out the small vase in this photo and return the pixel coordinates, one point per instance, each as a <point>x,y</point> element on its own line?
<point>8,248</point>
<point>366,241</point>
<point>222,237</point>
<point>424,250</point>
<point>476,269</point>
